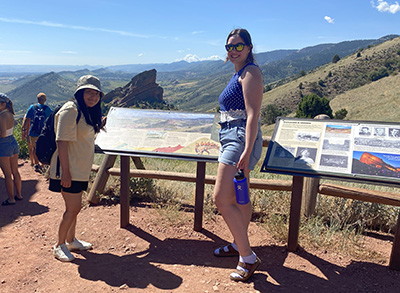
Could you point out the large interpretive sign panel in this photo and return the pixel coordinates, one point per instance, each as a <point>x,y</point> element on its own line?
<point>161,133</point>
<point>335,148</point>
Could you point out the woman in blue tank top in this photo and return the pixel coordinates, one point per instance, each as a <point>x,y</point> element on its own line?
<point>241,147</point>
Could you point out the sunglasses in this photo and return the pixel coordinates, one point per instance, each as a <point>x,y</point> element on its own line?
<point>238,47</point>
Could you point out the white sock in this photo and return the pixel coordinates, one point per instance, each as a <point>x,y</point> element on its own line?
<point>248,259</point>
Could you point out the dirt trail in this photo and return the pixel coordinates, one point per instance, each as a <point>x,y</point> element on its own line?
<point>151,255</point>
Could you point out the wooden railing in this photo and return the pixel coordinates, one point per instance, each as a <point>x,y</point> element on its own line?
<point>300,196</point>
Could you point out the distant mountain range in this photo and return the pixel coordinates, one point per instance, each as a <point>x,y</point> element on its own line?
<point>190,86</point>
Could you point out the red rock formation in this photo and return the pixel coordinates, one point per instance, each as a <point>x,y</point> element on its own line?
<point>142,87</point>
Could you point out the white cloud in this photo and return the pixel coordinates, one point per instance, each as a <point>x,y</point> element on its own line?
<point>194,58</point>
<point>191,58</point>
<point>140,54</point>
<point>198,32</point>
<point>69,52</point>
<point>329,19</point>
<point>83,28</point>
<point>383,6</point>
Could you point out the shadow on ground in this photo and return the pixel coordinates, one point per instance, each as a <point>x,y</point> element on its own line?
<point>9,214</point>
<point>140,269</point>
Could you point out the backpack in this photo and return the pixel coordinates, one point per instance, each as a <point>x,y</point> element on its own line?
<point>46,142</point>
<point>39,116</point>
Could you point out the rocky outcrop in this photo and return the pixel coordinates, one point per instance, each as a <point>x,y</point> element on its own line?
<point>142,87</point>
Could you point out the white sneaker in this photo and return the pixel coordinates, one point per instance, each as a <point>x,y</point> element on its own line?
<point>62,253</point>
<point>78,245</point>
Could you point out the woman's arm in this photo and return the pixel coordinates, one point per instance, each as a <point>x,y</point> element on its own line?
<point>252,85</point>
<point>62,147</point>
<point>25,127</point>
<point>3,126</point>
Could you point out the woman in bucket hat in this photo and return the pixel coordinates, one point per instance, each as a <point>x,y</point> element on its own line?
<point>76,124</point>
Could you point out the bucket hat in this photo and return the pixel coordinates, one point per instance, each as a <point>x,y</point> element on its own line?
<point>89,82</point>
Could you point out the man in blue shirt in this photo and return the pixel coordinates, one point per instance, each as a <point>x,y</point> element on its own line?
<point>32,126</point>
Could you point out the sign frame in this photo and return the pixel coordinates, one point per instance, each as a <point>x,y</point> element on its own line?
<point>177,140</point>
<point>335,149</point>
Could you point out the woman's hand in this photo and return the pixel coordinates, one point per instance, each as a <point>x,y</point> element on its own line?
<point>62,147</point>
<point>244,160</point>
<point>103,121</point>
<point>66,179</point>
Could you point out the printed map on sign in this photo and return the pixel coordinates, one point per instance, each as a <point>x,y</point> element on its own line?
<point>161,132</point>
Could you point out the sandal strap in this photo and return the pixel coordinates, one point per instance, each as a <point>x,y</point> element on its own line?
<point>245,270</point>
<point>231,251</point>
<point>242,267</point>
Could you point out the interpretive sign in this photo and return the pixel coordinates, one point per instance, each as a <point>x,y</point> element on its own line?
<point>362,150</point>
<point>161,133</point>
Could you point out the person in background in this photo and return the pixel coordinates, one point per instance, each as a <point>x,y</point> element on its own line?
<point>32,126</point>
<point>9,150</point>
<point>72,162</point>
<point>241,147</point>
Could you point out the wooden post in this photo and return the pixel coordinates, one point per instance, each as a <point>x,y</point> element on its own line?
<point>311,186</point>
<point>138,163</point>
<point>101,178</point>
<point>394,263</point>
<point>309,199</point>
<point>124,196</point>
<point>295,212</point>
<point>199,200</point>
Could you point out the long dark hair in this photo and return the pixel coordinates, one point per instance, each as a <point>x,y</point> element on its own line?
<point>9,103</point>
<point>92,115</point>
<point>245,36</point>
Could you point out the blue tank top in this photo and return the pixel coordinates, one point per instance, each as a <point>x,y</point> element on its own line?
<point>232,96</point>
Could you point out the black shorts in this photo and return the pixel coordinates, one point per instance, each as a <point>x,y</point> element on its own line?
<point>76,186</point>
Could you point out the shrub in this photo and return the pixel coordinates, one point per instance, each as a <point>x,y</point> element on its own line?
<point>267,88</point>
<point>312,105</point>
<point>378,74</point>
<point>335,58</point>
<point>270,113</point>
<point>341,114</point>
<point>23,145</point>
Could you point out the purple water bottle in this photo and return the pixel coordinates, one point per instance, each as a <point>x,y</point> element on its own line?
<point>241,188</point>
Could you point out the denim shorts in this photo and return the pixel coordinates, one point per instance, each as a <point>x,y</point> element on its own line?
<point>8,146</point>
<point>232,137</point>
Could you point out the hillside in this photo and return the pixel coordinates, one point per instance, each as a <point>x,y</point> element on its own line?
<point>351,75</point>
<point>56,88</point>
<point>201,94</point>
<point>377,101</point>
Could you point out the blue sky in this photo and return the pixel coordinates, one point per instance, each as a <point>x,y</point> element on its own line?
<point>102,32</point>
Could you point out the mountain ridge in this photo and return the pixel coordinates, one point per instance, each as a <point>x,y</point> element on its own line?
<point>192,86</point>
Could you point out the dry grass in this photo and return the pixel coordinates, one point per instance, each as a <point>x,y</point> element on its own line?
<point>378,101</point>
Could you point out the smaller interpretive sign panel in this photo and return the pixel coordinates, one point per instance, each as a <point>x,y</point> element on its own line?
<point>365,150</point>
<point>160,133</point>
